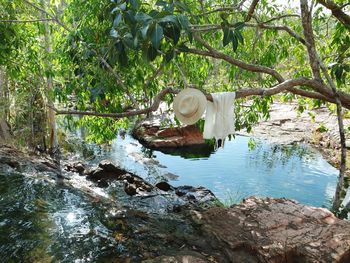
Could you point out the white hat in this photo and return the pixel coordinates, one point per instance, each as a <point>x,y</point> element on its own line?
<point>189,105</point>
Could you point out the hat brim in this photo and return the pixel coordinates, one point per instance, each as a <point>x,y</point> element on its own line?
<point>202,104</point>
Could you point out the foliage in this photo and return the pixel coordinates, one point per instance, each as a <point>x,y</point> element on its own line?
<point>139,39</point>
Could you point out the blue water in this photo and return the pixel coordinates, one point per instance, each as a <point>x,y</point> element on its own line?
<point>298,172</point>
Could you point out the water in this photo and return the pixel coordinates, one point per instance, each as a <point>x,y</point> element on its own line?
<point>41,221</point>
<point>298,172</point>
<point>45,220</point>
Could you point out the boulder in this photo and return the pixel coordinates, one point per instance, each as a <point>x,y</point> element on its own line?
<point>276,230</point>
<point>200,194</point>
<point>164,186</point>
<point>76,167</point>
<point>152,135</point>
<point>106,170</point>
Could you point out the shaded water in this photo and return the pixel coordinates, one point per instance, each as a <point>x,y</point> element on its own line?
<point>293,171</point>
<point>43,220</point>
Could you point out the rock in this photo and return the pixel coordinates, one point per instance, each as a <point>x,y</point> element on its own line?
<point>199,195</point>
<point>108,166</point>
<point>163,186</point>
<point>156,137</point>
<point>277,230</point>
<point>130,189</point>
<point>77,167</point>
<point>102,184</point>
<point>181,257</point>
<point>106,170</point>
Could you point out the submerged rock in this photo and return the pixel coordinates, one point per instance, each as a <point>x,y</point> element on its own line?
<point>276,230</point>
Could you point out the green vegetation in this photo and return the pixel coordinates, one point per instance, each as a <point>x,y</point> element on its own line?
<point>111,56</point>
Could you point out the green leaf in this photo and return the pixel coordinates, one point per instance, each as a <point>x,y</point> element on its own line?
<point>122,6</point>
<point>151,53</point>
<point>238,25</point>
<point>128,40</point>
<point>182,6</point>
<point>172,32</point>
<point>183,20</point>
<point>227,36</point>
<point>156,36</point>
<point>168,19</point>
<point>161,3</point>
<point>114,33</point>
<point>239,36</point>
<point>117,20</point>
<point>129,17</point>
<point>154,13</point>
<point>135,4</point>
<point>144,31</point>
<point>234,43</point>
<point>143,18</point>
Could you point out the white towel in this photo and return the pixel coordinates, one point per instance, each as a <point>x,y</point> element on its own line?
<point>219,118</point>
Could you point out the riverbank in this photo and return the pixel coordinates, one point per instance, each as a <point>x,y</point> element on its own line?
<point>317,127</point>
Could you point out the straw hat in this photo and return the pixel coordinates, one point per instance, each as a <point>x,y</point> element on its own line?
<point>189,105</point>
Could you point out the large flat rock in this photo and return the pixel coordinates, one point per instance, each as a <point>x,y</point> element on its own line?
<point>152,134</point>
<point>277,230</point>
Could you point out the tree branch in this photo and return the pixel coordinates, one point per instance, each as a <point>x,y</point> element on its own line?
<point>281,28</point>
<point>27,21</point>
<point>306,19</point>
<point>251,10</point>
<point>337,12</point>
<point>153,107</point>
<point>55,18</point>
<point>279,17</point>
<point>206,28</point>
<point>216,54</point>
<point>288,85</point>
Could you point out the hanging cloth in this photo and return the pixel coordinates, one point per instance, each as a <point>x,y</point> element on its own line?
<point>219,118</point>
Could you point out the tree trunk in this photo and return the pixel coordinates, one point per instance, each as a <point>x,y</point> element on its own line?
<point>51,116</point>
<point>317,65</point>
<point>5,135</point>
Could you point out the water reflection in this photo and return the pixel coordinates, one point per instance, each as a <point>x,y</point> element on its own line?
<point>293,171</point>
<point>296,172</point>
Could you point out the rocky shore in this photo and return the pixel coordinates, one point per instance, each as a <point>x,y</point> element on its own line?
<point>193,228</point>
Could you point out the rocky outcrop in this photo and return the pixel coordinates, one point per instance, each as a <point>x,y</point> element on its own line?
<point>276,230</point>
<point>174,197</point>
<point>13,159</point>
<point>151,134</point>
